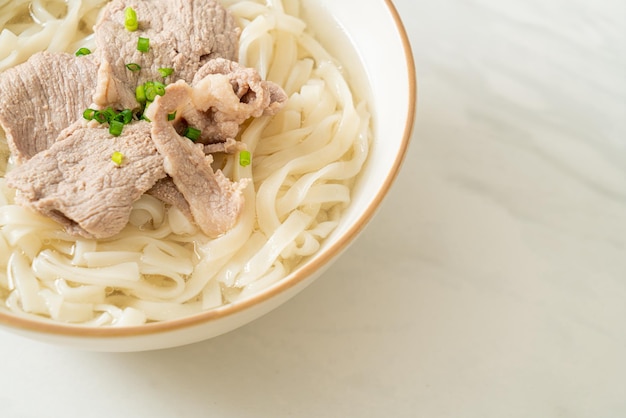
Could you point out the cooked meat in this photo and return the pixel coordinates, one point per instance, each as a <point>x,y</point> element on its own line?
<point>43,96</point>
<point>217,105</point>
<point>230,146</point>
<point>166,191</point>
<point>76,182</point>
<point>183,34</point>
<point>226,109</point>
<point>247,85</point>
<point>215,202</point>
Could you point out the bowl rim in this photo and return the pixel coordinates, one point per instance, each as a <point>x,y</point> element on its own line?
<point>24,323</point>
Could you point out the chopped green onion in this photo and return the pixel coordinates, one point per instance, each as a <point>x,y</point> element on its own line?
<point>130,19</point>
<point>89,114</point>
<point>245,158</point>
<point>153,89</point>
<point>99,116</point>
<point>143,44</point>
<point>133,67</point>
<point>115,127</point>
<point>150,91</point>
<point>128,116</point>
<point>166,71</point>
<point>109,114</point>
<point>140,93</point>
<point>83,51</point>
<point>159,88</point>
<point>171,116</point>
<point>117,157</point>
<point>192,133</point>
<point>125,116</point>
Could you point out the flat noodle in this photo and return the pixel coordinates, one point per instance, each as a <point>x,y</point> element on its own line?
<point>160,267</point>
<point>29,26</point>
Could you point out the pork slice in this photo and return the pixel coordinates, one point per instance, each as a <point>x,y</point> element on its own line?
<point>166,191</point>
<point>183,34</point>
<point>247,85</point>
<point>226,94</point>
<point>214,201</point>
<point>76,183</point>
<point>43,96</point>
<point>230,146</point>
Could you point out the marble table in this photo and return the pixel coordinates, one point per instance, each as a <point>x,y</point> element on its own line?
<point>491,284</point>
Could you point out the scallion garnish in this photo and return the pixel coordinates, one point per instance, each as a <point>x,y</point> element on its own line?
<point>159,88</point>
<point>117,157</point>
<point>89,114</point>
<point>116,119</point>
<point>153,89</point>
<point>109,114</point>
<point>125,116</point>
<point>140,93</point>
<point>83,51</point>
<point>128,116</point>
<point>192,133</point>
<point>99,116</point>
<point>116,127</point>
<point>245,158</point>
<point>171,116</point>
<point>143,44</point>
<point>150,91</point>
<point>133,67</point>
<point>166,72</point>
<point>130,19</point>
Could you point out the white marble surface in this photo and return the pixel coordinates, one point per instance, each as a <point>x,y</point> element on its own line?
<point>491,284</point>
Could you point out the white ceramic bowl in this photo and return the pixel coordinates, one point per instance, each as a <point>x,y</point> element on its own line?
<point>374,48</point>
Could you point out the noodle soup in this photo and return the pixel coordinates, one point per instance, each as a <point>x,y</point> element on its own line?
<point>161,267</point>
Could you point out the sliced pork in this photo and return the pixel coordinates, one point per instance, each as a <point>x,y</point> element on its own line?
<point>76,182</point>
<point>166,191</point>
<point>43,96</point>
<point>228,94</point>
<point>216,105</point>
<point>215,202</point>
<point>230,146</point>
<point>263,97</point>
<point>183,35</point>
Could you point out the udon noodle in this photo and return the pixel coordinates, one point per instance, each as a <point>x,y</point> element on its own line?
<point>29,26</point>
<point>160,267</point>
